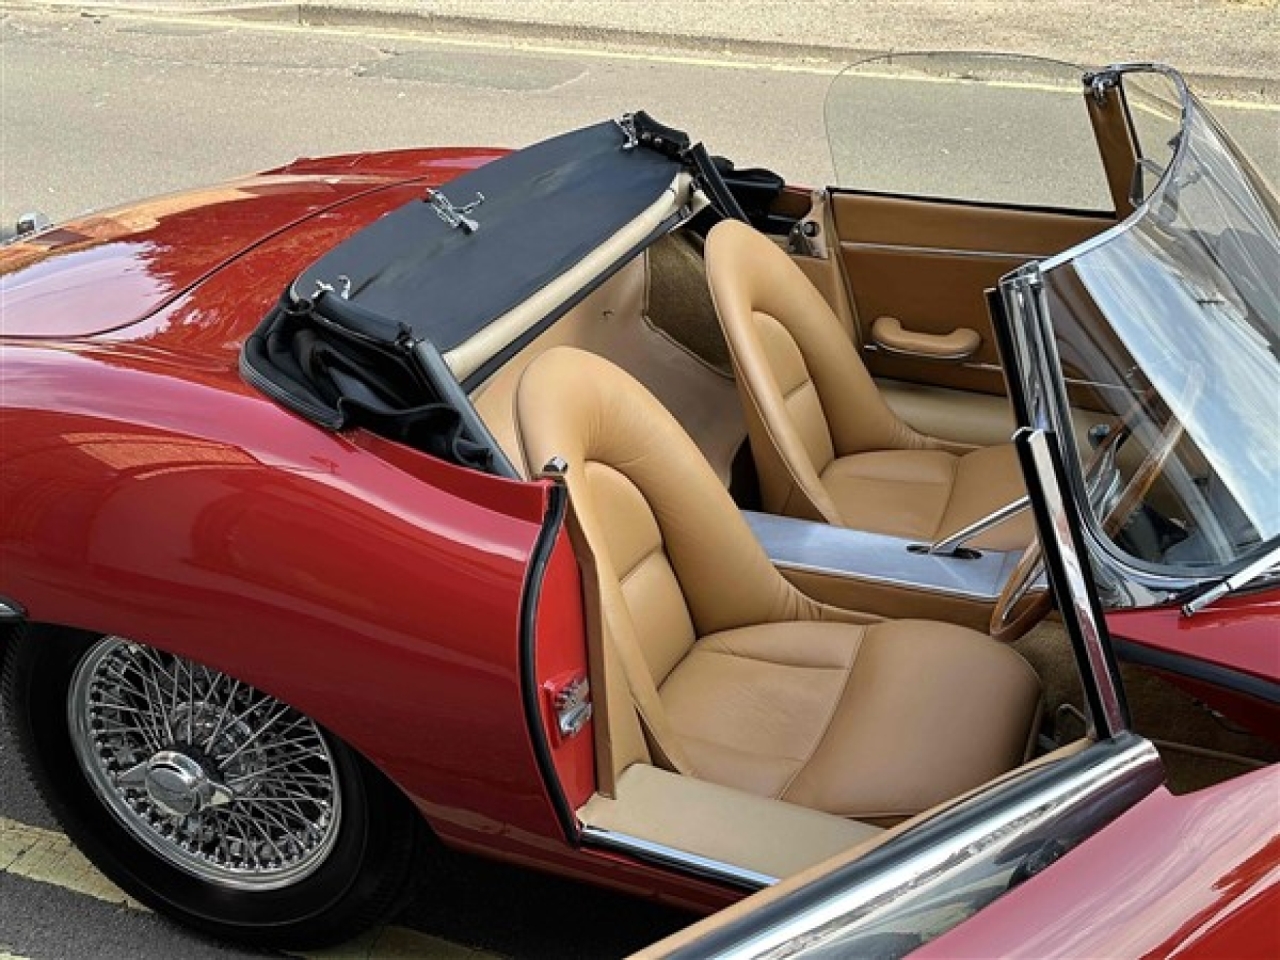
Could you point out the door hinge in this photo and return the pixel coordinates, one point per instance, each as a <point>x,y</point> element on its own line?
<point>570,700</point>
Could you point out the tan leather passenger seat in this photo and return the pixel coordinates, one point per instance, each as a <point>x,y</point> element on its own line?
<point>737,677</point>
<point>826,445</point>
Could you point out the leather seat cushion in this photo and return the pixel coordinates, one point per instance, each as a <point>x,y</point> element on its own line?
<point>926,494</point>
<point>871,722</point>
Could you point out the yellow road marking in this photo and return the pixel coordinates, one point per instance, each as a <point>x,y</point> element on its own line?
<point>397,943</point>
<point>46,856</point>
<point>811,68</point>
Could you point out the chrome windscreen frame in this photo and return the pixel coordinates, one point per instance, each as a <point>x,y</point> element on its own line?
<point>1033,372</point>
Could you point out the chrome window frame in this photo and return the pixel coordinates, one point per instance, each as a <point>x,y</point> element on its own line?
<point>1038,391</point>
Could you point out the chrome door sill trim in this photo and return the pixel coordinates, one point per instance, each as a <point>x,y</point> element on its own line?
<point>979,845</point>
<point>680,859</point>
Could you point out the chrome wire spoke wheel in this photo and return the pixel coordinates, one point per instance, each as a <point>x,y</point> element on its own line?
<point>222,781</point>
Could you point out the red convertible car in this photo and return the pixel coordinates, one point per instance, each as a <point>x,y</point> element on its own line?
<point>903,553</point>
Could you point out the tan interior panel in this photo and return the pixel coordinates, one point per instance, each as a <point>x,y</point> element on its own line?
<point>942,225</point>
<point>766,836</point>
<point>827,280</point>
<point>977,419</point>
<point>928,263</point>
<point>613,323</point>
<point>895,601</point>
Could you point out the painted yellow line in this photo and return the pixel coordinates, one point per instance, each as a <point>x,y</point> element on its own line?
<point>46,856</point>
<point>728,62</point>
<point>397,943</point>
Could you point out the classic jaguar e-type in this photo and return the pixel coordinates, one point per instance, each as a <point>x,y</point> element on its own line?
<point>905,550</point>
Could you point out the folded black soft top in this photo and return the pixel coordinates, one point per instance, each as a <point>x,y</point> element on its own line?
<point>544,209</point>
<point>360,338</point>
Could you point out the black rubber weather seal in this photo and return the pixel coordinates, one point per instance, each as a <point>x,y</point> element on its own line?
<point>553,522</point>
<point>1192,669</point>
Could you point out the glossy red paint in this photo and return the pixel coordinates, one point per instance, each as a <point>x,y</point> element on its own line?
<point>147,491</point>
<point>241,536</point>
<point>107,270</point>
<point>1197,875</point>
<point>434,164</point>
<point>129,263</point>
<point>1240,634</point>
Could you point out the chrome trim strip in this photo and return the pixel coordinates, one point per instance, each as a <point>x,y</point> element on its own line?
<point>983,367</point>
<point>681,859</point>
<point>1068,559</point>
<point>913,355</point>
<point>9,610</point>
<point>924,251</point>
<point>994,518</point>
<point>957,861</point>
<point>821,548</point>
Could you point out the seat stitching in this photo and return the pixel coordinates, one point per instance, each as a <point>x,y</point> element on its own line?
<point>897,481</point>
<point>798,485</point>
<point>955,472</point>
<point>647,555</point>
<point>806,382</point>
<point>746,753</point>
<point>826,727</point>
<point>772,663</point>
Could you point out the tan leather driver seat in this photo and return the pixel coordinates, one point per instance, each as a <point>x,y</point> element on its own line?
<point>737,677</point>
<point>826,445</point>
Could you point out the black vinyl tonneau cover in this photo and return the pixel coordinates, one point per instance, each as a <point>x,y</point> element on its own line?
<point>358,337</point>
<point>544,209</point>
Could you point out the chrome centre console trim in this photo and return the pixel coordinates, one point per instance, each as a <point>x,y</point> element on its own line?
<point>994,518</point>
<point>680,859</point>
<point>838,551</point>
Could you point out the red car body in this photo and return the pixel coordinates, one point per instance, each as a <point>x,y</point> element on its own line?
<point>149,492</point>
<point>158,443</point>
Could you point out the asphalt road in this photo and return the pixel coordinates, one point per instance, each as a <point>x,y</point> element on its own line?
<point>98,111</point>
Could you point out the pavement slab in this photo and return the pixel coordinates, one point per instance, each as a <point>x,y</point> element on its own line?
<point>1229,46</point>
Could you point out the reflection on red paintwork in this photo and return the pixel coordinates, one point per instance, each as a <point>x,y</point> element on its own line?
<point>1129,890</point>
<point>1241,633</point>
<point>105,271</point>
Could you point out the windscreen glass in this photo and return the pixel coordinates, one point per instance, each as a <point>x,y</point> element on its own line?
<point>1168,335</point>
<point>980,128</point>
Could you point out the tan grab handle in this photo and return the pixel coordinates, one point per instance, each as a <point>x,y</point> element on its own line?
<point>887,334</point>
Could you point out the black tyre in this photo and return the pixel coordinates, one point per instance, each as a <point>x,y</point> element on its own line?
<point>204,798</point>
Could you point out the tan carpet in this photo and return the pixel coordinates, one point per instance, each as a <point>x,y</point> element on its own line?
<point>1160,711</point>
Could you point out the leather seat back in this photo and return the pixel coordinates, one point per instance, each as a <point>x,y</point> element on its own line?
<point>672,556</point>
<point>808,397</point>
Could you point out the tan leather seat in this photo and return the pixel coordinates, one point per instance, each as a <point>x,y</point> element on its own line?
<point>827,447</point>
<point>736,676</point>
